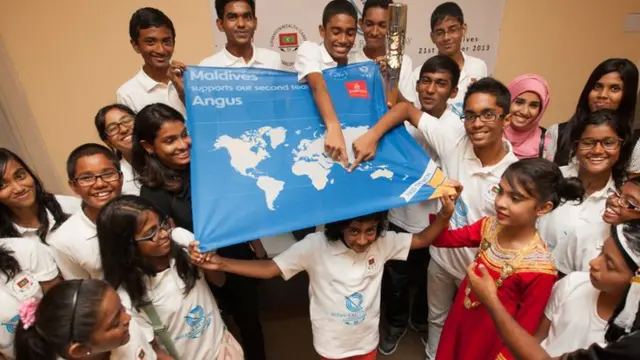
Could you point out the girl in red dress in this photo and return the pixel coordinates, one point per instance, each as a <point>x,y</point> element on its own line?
<point>515,256</point>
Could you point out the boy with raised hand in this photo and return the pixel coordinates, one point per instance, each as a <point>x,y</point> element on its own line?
<point>437,84</point>
<point>476,155</point>
<point>237,20</point>
<point>448,29</point>
<point>153,37</point>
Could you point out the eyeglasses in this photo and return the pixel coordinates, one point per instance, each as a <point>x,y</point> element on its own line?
<point>608,143</point>
<point>487,117</point>
<point>441,33</point>
<point>114,128</point>
<point>164,225</point>
<point>623,201</point>
<point>89,180</point>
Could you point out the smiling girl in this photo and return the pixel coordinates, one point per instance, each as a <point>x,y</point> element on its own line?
<point>529,100</point>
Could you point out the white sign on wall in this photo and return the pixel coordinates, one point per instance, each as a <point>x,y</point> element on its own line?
<point>284,24</point>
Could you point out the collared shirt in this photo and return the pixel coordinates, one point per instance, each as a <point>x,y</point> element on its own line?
<point>459,161</point>
<point>407,85</point>
<point>312,58</point>
<point>473,69</point>
<point>130,186</point>
<point>69,205</point>
<point>142,90</point>
<point>344,289</point>
<point>76,250</point>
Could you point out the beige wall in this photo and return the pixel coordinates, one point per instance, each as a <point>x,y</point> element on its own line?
<point>70,55</point>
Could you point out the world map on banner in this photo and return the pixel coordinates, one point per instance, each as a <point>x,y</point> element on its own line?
<point>258,161</point>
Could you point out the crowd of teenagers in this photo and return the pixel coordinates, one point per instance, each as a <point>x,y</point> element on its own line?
<point>533,254</point>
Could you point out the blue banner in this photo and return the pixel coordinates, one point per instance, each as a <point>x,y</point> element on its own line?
<point>258,167</point>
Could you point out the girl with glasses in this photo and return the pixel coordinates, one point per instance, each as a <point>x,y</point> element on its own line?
<point>114,124</point>
<point>152,274</point>
<point>601,149</point>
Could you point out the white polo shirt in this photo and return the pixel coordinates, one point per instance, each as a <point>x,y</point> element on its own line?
<point>69,205</point>
<point>142,90</point>
<point>407,85</point>
<point>192,319</point>
<point>573,219</point>
<point>459,161</point>
<point>76,249</point>
<point>473,69</point>
<point>138,347</point>
<point>130,186</point>
<point>37,266</point>
<point>575,253</point>
<point>415,217</point>
<point>573,311</point>
<point>344,289</point>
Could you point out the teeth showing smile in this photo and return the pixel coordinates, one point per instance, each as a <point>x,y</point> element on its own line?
<point>102,195</point>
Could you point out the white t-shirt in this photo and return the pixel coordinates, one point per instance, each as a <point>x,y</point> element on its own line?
<point>37,266</point>
<point>459,161</point>
<point>192,319</point>
<point>575,253</point>
<point>572,219</point>
<point>473,69</point>
<point>130,186</point>
<point>76,249</point>
<point>138,347</point>
<point>142,90</point>
<point>415,217</point>
<point>573,312</point>
<point>407,85</point>
<point>344,289</point>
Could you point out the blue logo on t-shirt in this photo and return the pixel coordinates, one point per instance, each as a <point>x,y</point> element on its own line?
<point>11,327</point>
<point>459,218</point>
<point>355,310</point>
<point>198,320</point>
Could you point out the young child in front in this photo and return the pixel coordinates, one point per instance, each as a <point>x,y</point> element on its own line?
<point>345,265</point>
<point>476,154</point>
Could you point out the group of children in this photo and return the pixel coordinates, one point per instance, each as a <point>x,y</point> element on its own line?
<point>534,255</point>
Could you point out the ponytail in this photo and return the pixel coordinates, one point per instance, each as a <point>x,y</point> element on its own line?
<point>30,345</point>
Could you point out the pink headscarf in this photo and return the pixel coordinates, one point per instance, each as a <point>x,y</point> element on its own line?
<point>526,142</point>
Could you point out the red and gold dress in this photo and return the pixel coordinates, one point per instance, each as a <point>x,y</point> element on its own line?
<point>524,279</point>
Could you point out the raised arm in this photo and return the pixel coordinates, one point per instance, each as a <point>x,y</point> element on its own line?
<point>260,269</point>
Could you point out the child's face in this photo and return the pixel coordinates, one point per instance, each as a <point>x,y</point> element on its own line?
<point>155,45</point>
<point>434,90</point>
<point>607,93</point>
<point>339,36</point>
<point>118,126</point>
<point>609,271</point>
<point>17,186</point>
<point>525,109</point>
<point>488,123</point>
<point>515,207</point>
<point>112,329</point>
<point>374,27</point>
<point>239,23</point>
<point>624,205</point>
<point>104,188</point>
<point>359,235</point>
<point>152,236</point>
<point>172,145</point>
<point>448,35</point>
<point>598,149</point>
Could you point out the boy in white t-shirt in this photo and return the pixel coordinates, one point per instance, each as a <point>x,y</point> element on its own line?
<point>153,37</point>
<point>476,155</point>
<point>345,266</point>
<point>448,29</point>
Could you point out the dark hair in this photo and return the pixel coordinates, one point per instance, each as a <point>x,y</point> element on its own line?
<point>151,171</point>
<point>9,265</point>
<point>631,231</point>
<point>333,231</point>
<point>629,75</point>
<point>442,64</point>
<point>370,4</point>
<point>122,262</point>
<point>101,118</point>
<point>146,18</point>
<point>220,4</point>
<point>338,7</point>
<point>70,308</point>
<point>44,200</point>
<point>622,129</point>
<point>543,180</point>
<point>493,87</point>
<point>448,9</point>
<point>89,149</point>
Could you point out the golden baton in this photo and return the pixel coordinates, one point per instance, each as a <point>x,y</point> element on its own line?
<point>396,32</point>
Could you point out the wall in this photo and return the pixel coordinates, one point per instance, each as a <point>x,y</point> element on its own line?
<point>70,56</point>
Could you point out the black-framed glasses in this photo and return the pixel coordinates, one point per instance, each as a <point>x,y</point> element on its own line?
<point>623,200</point>
<point>164,225</point>
<point>486,116</point>
<point>453,31</point>
<point>114,128</point>
<point>89,180</point>
<point>608,143</point>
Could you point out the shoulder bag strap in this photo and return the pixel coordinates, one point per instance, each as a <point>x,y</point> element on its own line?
<point>160,330</point>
